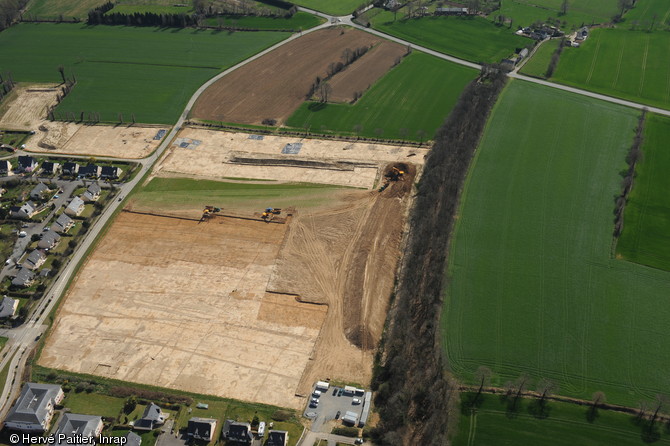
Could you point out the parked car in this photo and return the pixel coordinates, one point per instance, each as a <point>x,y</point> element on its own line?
<point>316,394</point>
<point>335,389</point>
<point>356,401</point>
<point>315,401</point>
<point>339,392</point>
<point>358,441</point>
<point>337,415</point>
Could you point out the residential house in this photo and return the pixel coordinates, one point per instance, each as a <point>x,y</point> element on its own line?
<point>49,240</point>
<point>152,417</point>
<point>277,438</point>
<point>89,171</point>
<point>75,207</point>
<point>201,428</point>
<point>24,278</point>
<point>26,164</point>
<point>26,210</point>
<point>92,193</point>
<point>5,168</point>
<point>582,34</point>
<point>39,191</point>
<point>35,259</point>
<point>33,410</point>
<point>238,432</point>
<point>50,168</point>
<point>110,172</point>
<point>78,428</point>
<point>8,307</point>
<point>71,169</point>
<point>132,439</point>
<point>62,224</point>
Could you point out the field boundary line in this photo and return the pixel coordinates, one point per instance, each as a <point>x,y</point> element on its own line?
<point>593,62</point>
<point>644,67</point>
<point>618,67</point>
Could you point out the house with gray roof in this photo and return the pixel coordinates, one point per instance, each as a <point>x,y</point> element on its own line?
<point>35,259</point>
<point>75,207</point>
<point>92,193</point>
<point>152,417</point>
<point>62,224</point>
<point>49,240</point>
<point>201,428</point>
<point>8,307</point>
<point>24,278</point>
<point>33,410</point>
<point>74,425</point>
<point>132,439</point>
<point>238,432</point>
<point>277,438</point>
<point>26,210</point>
<point>39,191</point>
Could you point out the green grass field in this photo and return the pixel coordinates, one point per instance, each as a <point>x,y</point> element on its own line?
<point>646,234</point>
<point>566,425</point>
<point>580,12</point>
<point>300,20</point>
<point>156,9</point>
<point>648,13</point>
<point>538,64</point>
<point>150,72</point>
<point>180,193</point>
<point>533,284</point>
<point>332,7</point>
<point>49,9</point>
<point>474,39</point>
<point>632,65</point>
<point>417,95</point>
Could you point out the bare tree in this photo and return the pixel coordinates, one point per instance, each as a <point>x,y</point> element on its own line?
<point>659,403</point>
<point>347,55</point>
<point>61,70</point>
<point>597,399</point>
<point>324,90</point>
<point>564,7</point>
<point>545,388</point>
<point>483,377</point>
<point>520,385</point>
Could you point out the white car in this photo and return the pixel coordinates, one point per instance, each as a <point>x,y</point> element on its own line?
<point>316,394</point>
<point>356,401</point>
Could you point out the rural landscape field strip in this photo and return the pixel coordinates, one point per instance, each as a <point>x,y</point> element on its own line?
<point>527,12</point>
<point>409,102</point>
<point>152,81</point>
<point>647,214</point>
<point>533,288</point>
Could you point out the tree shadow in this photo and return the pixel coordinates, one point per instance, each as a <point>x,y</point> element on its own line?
<point>316,106</point>
<point>471,402</point>
<point>539,409</point>
<point>592,414</point>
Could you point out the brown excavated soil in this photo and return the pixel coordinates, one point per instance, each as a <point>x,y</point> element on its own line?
<point>273,86</point>
<point>360,75</point>
<point>26,106</point>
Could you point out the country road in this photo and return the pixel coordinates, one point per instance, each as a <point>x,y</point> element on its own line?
<point>24,338</point>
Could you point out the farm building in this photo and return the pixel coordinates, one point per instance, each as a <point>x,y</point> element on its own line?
<point>50,168</point>
<point>73,424</point>
<point>33,410</point>
<point>8,307</point>
<point>277,438</point>
<point>201,428</point>
<point>75,207</point>
<point>92,193</point>
<point>26,164</point>
<point>24,278</point>
<point>62,224</point>
<point>71,169</point>
<point>49,240</point>
<point>237,432</point>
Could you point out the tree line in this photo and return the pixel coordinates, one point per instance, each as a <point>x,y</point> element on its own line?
<point>10,11</point>
<point>555,57</point>
<point>416,398</point>
<point>7,84</point>
<point>320,85</point>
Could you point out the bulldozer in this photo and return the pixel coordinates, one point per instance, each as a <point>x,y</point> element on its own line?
<point>208,211</point>
<point>269,214</point>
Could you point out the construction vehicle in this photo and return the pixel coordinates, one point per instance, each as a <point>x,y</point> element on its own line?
<point>208,211</point>
<point>269,214</point>
<point>394,175</point>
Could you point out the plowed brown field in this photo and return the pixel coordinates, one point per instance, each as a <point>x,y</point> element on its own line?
<point>273,86</point>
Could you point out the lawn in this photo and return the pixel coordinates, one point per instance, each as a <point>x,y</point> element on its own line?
<point>474,38</point>
<point>647,13</point>
<point>299,21</point>
<point>93,404</point>
<point>148,72</point>
<point>646,234</point>
<point>533,286</point>
<point>181,193</point>
<point>332,7</point>
<point>566,425</point>
<point>580,12</point>
<point>538,64</point>
<point>416,96</point>
<point>632,65</point>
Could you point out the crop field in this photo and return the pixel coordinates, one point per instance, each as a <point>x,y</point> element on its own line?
<point>336,7</point>
<point>646,234</point>
<point>565,425</point>
<point>299,21</point>
<point>273,86</point>
<point>474,39</point>
<point>628,64</point>
<point>114,75</point>
<point>580,12</point>
<point>66,8</point>
<point>534,287</point>
<point>647,13</point>
<point>409,102</point>
<point>156,9</point>
<point>538,64</point>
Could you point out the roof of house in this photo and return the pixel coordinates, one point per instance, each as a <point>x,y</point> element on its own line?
<point>153,412</point>
<point>89,169</point>
<point>5,165</point>
<point>49,165</point>
<point>236,431</point>
<point>132,439</point>
<point>51,237</point>
<point>39,189</point>
<point>29,206</point>
<point>76,203</point>
<point>36,256</point>
<point>23,277</point>
<point>63,220</point>
<point>277,438</point>
<point>27,161</point>
<point>31,406</point>
<point>8,306</point>
<point>94,188</point>
<point>109,171</point>
<point>201,427</point>
<point>76,424</point>
<point>69,166</point>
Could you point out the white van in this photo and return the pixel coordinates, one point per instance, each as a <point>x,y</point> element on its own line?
<point>261,429</point>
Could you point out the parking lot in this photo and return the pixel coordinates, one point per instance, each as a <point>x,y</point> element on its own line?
<point>331,402</point>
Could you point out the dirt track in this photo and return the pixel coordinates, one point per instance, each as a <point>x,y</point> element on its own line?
<point>273,86</point>
<point>360,75</point>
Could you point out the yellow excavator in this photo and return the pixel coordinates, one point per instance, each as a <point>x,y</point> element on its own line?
<point>269,214</point>
<point>208,211</point>
<point>394,175</point>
